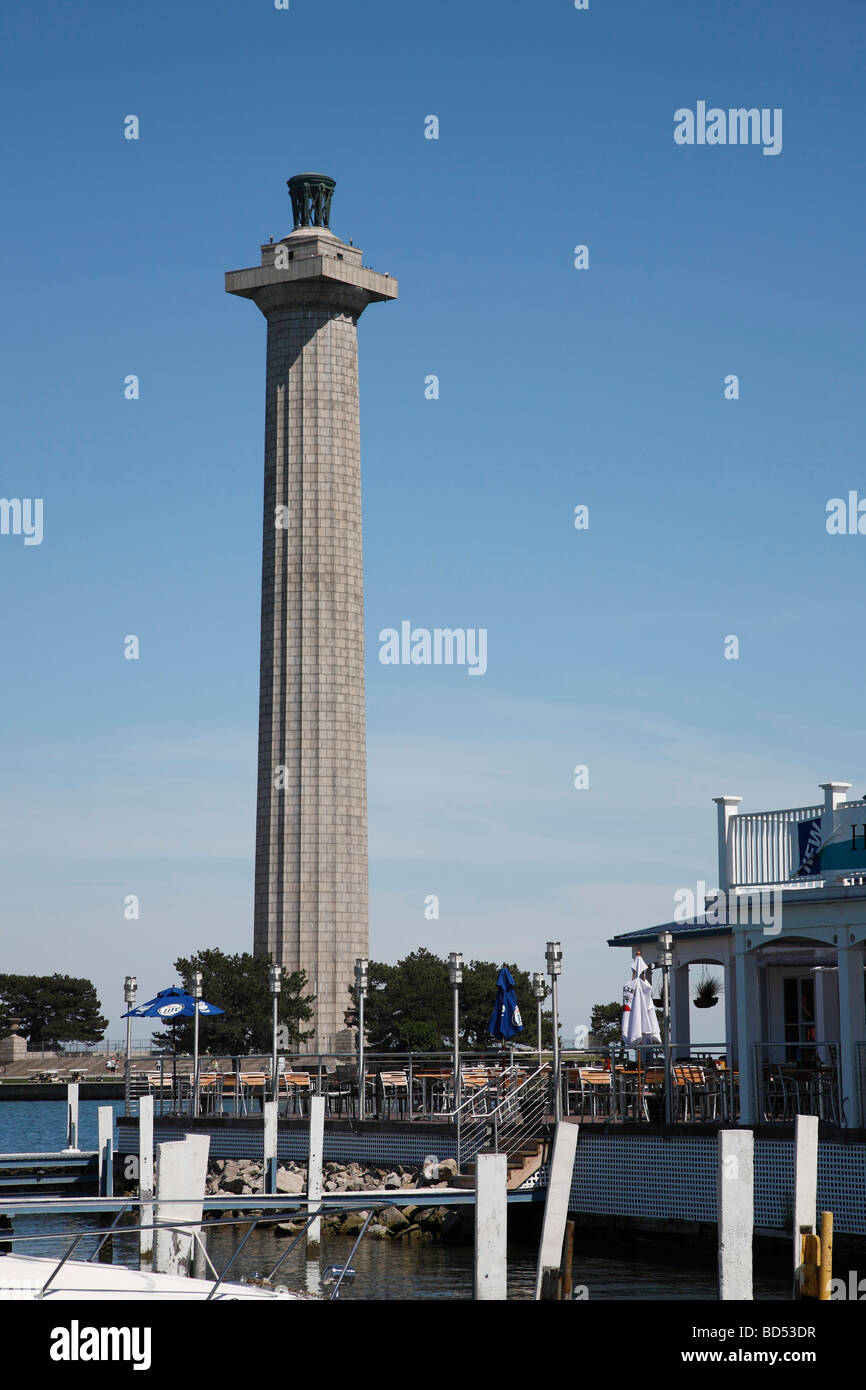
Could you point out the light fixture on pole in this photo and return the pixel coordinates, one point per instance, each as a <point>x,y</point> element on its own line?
<point>665,960</point>
<point>130,987</point>
<point>361,983</point>
<point>553,958</point>
<point>275,976</point>
<point>455,975</point>
<point>539,989</point>
<point>196,994</point>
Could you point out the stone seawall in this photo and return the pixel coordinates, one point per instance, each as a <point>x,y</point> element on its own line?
<point>243,1178</point>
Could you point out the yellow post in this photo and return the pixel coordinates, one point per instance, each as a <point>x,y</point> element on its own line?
<point>826,1271</point>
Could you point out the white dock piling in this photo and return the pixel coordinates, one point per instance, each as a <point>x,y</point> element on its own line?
<point>105,1148</point>
<point>145,1177</point>
<point>491,1210</point>
<point>805,1212</point>
<point>736,1212</point>
<point>72,1115</point>
<point>314,1169</point>
<point>557,1200</point>
<point>269,1167</point>
<point>181,1174</point>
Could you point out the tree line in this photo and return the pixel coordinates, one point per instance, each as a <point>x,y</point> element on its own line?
<point>409,1006</point>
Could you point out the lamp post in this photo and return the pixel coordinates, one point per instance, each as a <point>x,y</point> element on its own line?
<point>130,986</point>
<point>196,994</point>
<point>539,989</point>
<point>665,960</point>
<point>455,975</point>
<point>553,958</point>
<point>275,974</point>
<point>361,983</point>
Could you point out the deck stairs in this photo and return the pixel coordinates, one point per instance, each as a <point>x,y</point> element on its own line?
<point>519,1124</point>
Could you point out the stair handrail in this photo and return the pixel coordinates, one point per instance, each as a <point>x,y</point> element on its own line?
<point>533,1115</point>
<point>468,1106</point>
<point>511,1111</point>
<point>467,1110</point>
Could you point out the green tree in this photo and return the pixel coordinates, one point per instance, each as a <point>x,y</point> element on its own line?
<point>52,1009</point>
<point>409,1006</point>
<point>605,1024</point>
<point>239,985</point>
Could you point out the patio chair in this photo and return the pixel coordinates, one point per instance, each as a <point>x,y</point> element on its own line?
<point>395,1091</point>
<point>689,1092</point>
<point>207,1090</point>
<point>253,1086</point>
<point>591,1088</point>
<point>297,1089</point>
<point>343,1088</point>
<point>824,1096</point>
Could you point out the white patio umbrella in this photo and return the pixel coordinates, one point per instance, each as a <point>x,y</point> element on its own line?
<point>639,1022</point>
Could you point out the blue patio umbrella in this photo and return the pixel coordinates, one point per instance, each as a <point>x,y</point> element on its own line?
<point>505,1020</point>
<point>171,1005</point>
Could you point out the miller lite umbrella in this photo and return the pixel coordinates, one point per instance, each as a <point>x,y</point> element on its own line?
<point>505,1020</point>
<point>639,1022</point>
<point>171,1005</point>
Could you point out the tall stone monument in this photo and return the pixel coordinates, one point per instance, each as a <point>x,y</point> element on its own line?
<point>311,824</point>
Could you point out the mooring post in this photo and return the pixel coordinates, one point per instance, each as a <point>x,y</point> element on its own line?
<point>72,1115</point>
<point>825,1275</point>
<point>105,1147</point>
<point>269,1167</point>
<point>736,1212</point>
<point>557,1201</point>
<point>181,1174</point>
<point>145,1178</point>
<point>567,1260</point>
<point>314,1169</point>
<point>805,1188</point>
<point>491,1213</point>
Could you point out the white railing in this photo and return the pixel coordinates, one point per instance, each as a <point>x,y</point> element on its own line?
<point>522,1113</point>
<point>763,848</point>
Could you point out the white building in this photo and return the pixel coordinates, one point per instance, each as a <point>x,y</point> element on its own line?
<point>788,929</point>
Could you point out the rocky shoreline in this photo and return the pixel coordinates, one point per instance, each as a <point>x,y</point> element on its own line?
<point>243,1178</point>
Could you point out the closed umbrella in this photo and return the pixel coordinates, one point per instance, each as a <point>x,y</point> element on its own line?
<point>505,1020</point>
<point>639,1022</point>
<point>171,1005</point>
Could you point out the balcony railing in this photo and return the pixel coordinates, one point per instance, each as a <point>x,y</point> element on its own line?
<point>798,1079</point>
<point>763,848</point>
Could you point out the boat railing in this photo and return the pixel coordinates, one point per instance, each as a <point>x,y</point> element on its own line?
<point>338,1274</point>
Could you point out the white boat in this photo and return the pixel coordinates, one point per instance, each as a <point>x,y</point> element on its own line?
<point>25,1276</point>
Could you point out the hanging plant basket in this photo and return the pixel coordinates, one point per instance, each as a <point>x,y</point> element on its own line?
<point>707,993</point>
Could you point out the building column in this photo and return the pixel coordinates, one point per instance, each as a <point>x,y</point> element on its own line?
<point>834,794</point>
<point>727,807</point>
<point>730,1012</point>
<point>852,1030</point>
<point>826,1009</point>
<point>681,1034</point>
<point>748,1027</point>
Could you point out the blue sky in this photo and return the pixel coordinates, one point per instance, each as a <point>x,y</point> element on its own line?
<point>557,387</point>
